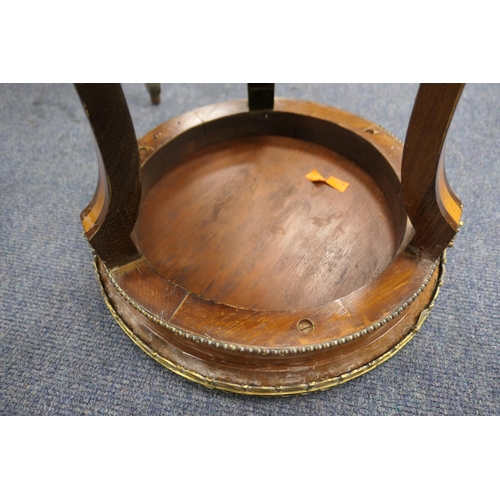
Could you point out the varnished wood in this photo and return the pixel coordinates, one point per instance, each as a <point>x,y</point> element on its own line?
<point>432,207</point>
<point>110,217</point>
<point>238,223</point>
<point>228,369</point>
<point>357,139</point>
<point>181,162</point>
<point>336,319</point>
<point>246,276</point>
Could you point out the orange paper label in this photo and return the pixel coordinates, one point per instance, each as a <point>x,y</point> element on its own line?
<point>337,184</point>
<point>315,176</point>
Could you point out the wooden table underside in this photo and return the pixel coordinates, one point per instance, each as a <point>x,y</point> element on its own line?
<point>255,280</point>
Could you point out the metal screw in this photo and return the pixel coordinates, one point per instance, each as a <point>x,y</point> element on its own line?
<point>305,326</point>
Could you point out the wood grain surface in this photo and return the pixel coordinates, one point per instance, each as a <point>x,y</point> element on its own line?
<point>432,206</point>
<point>110,217</point>
<point>247,373</point>
<point>242,272</point>
<point>238,223</point>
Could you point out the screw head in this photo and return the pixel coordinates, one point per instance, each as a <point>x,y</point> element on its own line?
<point>305,326</point>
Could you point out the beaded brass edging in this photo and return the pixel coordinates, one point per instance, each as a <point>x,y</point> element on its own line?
<point>314,386</point>
<point>262,351</point>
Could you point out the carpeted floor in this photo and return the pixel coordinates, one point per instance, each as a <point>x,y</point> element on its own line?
<point>61,352</point>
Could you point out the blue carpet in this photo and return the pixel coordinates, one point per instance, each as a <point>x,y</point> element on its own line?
<point>61,353</point>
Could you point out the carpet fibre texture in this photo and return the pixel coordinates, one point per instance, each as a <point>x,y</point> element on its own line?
<point>61,352</point>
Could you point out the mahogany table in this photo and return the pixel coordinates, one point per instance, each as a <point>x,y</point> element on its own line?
<point>270,246</point>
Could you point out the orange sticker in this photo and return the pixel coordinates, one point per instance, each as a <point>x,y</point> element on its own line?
<point>315,176</point>
<point>337,184</point>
